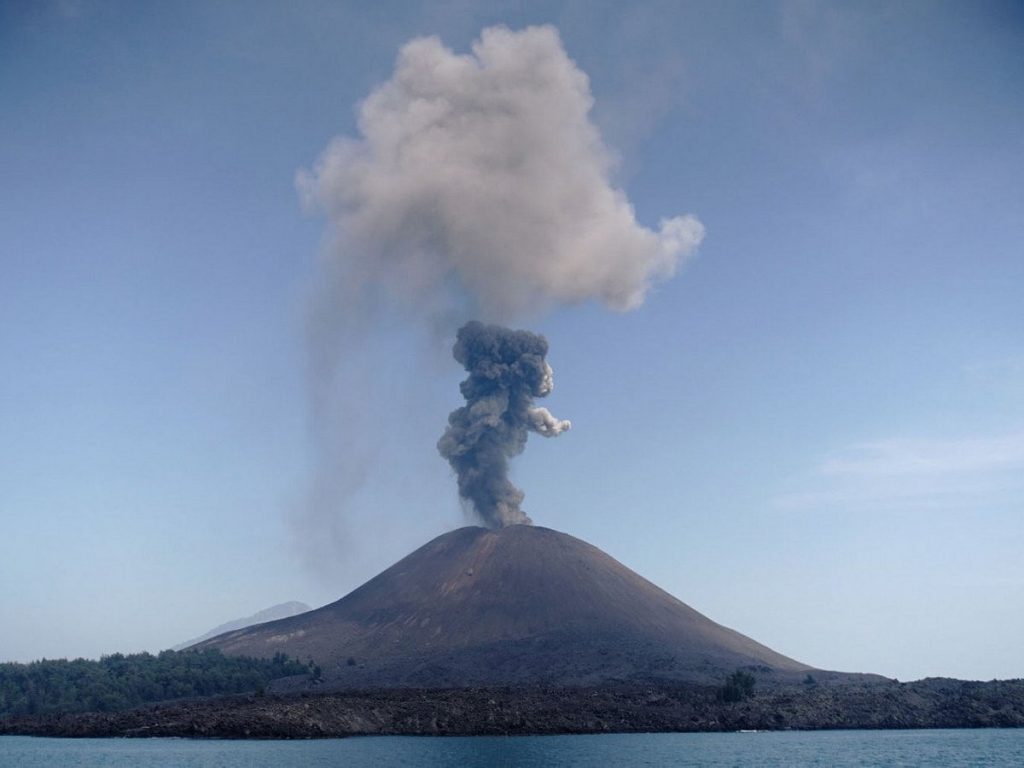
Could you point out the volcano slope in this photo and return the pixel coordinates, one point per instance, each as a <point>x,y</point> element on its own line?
<point>521,605</point>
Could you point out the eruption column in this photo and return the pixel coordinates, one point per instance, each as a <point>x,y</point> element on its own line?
<point>507,370</point>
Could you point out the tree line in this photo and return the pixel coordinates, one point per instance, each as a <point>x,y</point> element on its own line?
<point>122,681</point>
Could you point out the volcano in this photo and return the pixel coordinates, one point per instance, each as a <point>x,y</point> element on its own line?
<point>520,605</point>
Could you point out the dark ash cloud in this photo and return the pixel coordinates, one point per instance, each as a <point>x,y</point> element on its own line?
<point>507,370</point>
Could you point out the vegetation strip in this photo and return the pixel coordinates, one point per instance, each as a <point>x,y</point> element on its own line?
<point>120,681</point>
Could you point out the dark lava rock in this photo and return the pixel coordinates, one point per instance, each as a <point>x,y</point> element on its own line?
<point>932,703</point>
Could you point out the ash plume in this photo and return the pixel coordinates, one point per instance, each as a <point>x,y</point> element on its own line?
<point>475,186</point>
<point>480,179</point>
<point>507,370</point>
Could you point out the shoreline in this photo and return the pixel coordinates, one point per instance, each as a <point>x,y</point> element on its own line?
<point>652,708</point>
<point>256,739</point>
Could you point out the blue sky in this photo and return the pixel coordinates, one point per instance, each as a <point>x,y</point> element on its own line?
<point>814,433</point>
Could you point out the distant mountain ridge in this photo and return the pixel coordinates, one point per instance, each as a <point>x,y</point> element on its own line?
<point>520,605</point>
<point>273,613</point>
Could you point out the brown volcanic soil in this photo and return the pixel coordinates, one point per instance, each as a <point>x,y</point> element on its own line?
<point>521,605</point>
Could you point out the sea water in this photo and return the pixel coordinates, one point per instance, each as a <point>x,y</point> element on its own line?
<point>992,748</point>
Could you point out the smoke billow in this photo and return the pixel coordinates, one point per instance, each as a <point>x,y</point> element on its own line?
<point>481,177</point>
<point>507,370</point>
<point>477,186</point>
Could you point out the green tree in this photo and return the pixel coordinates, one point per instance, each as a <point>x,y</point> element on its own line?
<point>121,681</point>
<point>738,686</point>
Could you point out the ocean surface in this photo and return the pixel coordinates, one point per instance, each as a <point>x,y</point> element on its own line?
<point>879,749</point>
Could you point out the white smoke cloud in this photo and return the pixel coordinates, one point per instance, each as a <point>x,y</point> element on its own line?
<point>541,420</point>
<point>547,384</point>
<point>483,174</point>
<point>544,423</point>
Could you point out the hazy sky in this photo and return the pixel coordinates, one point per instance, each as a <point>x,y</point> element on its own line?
<point>813,433</point>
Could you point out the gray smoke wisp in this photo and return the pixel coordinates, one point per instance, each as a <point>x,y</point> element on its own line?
<point>507,370</point>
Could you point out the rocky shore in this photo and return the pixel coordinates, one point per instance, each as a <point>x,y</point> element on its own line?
<point>930,703</point>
